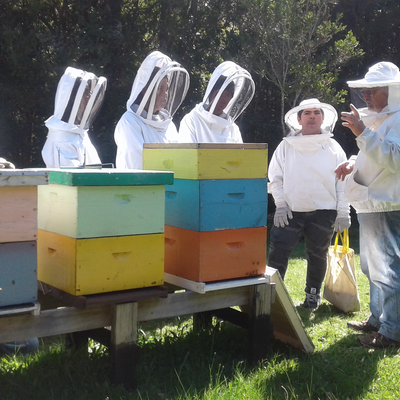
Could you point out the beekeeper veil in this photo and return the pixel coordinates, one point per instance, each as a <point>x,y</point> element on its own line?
<point>79,97</point>
<point>229,77</point>
<point>383,75</point>
<point>159,88</point>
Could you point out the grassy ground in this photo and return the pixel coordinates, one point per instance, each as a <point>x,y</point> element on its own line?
<point>178,363</point>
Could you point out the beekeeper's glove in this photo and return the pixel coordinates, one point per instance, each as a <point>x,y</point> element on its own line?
<point>281,216</point>
<point>342,223</point>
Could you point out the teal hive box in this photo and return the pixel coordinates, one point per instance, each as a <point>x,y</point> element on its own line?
<point>210,205</point>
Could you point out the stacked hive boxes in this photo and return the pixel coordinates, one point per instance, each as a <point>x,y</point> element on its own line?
<point>18,233</point>
<point>102,230</point>
<point>216,211</point>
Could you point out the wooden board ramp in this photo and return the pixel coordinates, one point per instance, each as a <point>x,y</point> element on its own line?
<point>288,327</point>
<point>287,323</point>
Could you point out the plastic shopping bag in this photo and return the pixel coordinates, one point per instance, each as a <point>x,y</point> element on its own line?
<point>340,282</point>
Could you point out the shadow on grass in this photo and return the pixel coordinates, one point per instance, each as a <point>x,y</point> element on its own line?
<point>345,370</point>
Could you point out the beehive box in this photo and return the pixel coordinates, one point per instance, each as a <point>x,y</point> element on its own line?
<point>208,160</point>
<point>209,205</point>
<point>18,197</point>
<point>92,203</point>
<point>90,266</point>
<point>18,278</point>
<point>217,255</point>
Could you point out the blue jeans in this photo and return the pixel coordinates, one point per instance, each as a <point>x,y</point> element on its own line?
<point>380,262</point>
<point>317,229</point>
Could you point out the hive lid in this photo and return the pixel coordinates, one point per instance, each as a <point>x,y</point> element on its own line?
<point>110,177</point>
<point>232,146</point>
<point>24,177</point>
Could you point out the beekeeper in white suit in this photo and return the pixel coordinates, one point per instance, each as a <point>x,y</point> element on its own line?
<point>309,199</point>
<point>79,97</point>
<point>158,90</point>
<point>228,93</point>
<point>373,189</point>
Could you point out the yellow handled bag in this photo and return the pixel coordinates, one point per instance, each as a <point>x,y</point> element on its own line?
<point>340,282</point>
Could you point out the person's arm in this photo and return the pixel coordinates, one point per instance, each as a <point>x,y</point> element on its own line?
<point>129,139</point>
<point>187,132</point>
<point>6,164</point>
<point>275,186</point>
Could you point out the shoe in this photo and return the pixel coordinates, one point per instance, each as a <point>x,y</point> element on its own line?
<point>363,326</point>
<point>312,301</point>
<point>378,341</point>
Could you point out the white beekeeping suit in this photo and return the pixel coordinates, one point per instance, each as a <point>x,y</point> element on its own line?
<point>228,93</point>
<point>79,97</point>
<point>158,90</point>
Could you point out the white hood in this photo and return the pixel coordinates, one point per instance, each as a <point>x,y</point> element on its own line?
<point>178,87</point>
<point>381,74</point>
<point>243,92</point>
<point>79,97</point>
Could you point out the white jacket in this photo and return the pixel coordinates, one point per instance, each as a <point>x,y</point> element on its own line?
<point>78,99</point>
<point>201,126</point>
<point>137,126</point>
<point>67,146</point>
<point>374,184</point>
<point>301,174</point>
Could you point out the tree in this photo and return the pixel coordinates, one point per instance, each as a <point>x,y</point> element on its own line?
<point>297,47</point>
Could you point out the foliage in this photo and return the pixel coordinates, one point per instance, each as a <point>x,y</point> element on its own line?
<point>293,49</point>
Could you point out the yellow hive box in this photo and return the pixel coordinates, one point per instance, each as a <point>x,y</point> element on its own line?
<point>89,266</point>
<point>208,160</point>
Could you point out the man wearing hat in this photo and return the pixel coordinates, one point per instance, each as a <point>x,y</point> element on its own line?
<point>309,199</point>
<point>373,189</point>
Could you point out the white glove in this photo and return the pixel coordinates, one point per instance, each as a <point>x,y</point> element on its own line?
<point>281,216</point>
<point>6,164</point>
<point>342,223</point>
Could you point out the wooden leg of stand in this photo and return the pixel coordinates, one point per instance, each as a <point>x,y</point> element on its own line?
<point>260,328</point>
<point>125,353</point>
<point>202,321</point>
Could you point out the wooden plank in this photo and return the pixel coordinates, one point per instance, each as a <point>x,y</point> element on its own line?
<point>202,287</point>
<point>185,303</point>
<point>54,322</point>
<point>65,320</point>
<point>109,177</point>
<point>260,327</point>
<point>125,354</point>
<point>24,177</point>
<point>287,323</point>
<point>100,211</point>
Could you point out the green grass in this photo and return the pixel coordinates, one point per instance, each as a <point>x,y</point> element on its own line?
<point>180,364</point>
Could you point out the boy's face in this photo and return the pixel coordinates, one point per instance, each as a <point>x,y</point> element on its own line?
<point>311,121</point>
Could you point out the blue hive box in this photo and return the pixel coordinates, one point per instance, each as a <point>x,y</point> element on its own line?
<point>210,205</point>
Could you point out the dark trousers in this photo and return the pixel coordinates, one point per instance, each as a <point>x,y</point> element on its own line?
<point>317,229</point>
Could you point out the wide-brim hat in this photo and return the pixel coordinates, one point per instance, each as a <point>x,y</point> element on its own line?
<point>379,75</point>
<point>330,114</point>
